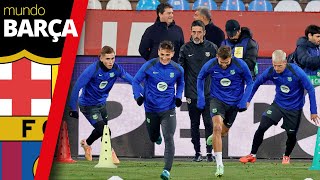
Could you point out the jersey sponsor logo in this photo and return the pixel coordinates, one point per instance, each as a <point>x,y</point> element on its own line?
<point>207,54</point>
<point>103,84</point>
<point>162,86</point>
<point>284,89</point>
<point>111,74</point>
<point>289,79</point>
<point>172,75</point>
<point>225,82</point>
<point>232,72</point>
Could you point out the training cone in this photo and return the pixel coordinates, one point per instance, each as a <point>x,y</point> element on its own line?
<point>115,159</point>
<point>316,156</point>
<point>105,158</point>
<point>64,154</point>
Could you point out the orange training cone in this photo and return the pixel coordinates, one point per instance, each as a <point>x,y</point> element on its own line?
<point>64,154</point>
<point>115,159</point>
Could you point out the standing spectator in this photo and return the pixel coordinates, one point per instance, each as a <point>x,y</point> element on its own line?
<point>229,75</point>
<point>213,32</point>
<point>163,29</point>
<point>308,53</point>
<point>160,97</point>
<point>242,44</point>
<point>193,55</point>
<point>290,81</point>
<point>96,81</point>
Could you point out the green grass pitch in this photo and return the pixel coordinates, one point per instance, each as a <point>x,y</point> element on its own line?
<point>183,169</point>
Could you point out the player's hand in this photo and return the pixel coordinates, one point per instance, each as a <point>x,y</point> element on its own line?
<point>178,102</point>
<point>74,114</point>
<point>140,100</point>
<point>242,109</point>
<point>315,118</point>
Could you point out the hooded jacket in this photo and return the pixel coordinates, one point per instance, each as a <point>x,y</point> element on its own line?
<point>308,55</point>
<point>157,33</point>
<point>250,48</point>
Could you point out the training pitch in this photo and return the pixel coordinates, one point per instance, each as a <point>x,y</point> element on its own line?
<point>184,169</point>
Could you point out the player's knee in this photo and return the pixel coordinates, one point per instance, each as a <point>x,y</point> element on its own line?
<point>217,128</point>
<point>99,126</point>
<point>292,135</point>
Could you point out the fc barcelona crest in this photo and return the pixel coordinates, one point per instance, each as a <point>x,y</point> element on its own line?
<point>207,54</point>
<point>172,75</point>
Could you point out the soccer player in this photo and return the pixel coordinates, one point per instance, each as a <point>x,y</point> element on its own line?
<point>290,81</point>
<point>229,75</point>
<point>160,97</point>
<point>96,82</point>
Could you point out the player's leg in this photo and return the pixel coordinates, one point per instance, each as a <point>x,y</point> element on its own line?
<point>194,114</point>
<point>93,115</point>
<point>291,122</point>
<point>207,121</point>
<point>168,125</point>
<point>153,126</point>
<point>270,117</point>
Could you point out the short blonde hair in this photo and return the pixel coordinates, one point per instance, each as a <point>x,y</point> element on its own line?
<point>279,56</point>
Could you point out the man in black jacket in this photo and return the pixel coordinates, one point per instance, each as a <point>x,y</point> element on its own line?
<point>308,53</point>
<point>163,29</point>
<point>213,32</point>
<point>242,44</point>
<point>193,55</point>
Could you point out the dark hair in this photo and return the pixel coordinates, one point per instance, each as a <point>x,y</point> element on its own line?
<point>106,50</point>
<point>224,52</point>
<point>161,7</point>
<point>166,45</point>
<point>313,29</point>
<point>198,23</point>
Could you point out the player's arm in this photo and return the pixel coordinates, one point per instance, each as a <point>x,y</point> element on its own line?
<point>309,87</point>
<point>204,72</point>
<point>249,84</point>
<point>180,86</point>
<point>136,84</point>
<point>83,79</point>
<point>259,81</point>
<point>125,75</point>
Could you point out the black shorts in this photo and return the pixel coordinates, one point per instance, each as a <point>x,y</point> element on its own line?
<point>227,112</point>
<point>291,118</point>
<point>95,113</point>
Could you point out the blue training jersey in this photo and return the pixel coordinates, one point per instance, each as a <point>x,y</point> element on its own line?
<point>96,82</point>
<point>290,85</point>
<point>159,85</point>
<point>227,85</point>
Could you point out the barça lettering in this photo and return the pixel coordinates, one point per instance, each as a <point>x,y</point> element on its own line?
<point>40,28</point>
